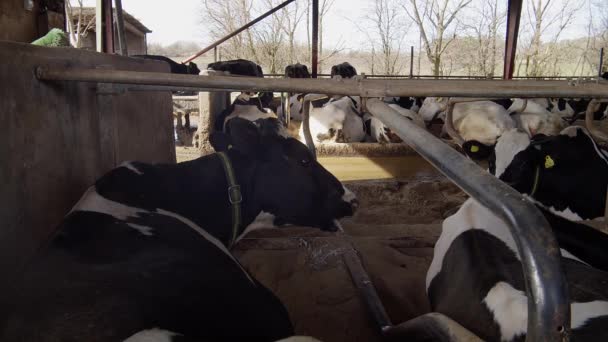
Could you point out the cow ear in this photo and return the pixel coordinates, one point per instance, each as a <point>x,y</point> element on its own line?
<point>244,136</point>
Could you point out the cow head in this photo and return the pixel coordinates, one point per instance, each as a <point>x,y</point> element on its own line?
<point>432,107</point>
<point>297,71</point>
<point>477,150</point>
<point>192,68</point>
<point>567,173</point>
<point>288,182</point>
<point>345,70</point>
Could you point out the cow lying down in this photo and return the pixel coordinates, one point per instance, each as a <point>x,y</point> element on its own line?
<point>144,252</point>
<point>338,120</point>
<point>480,123</point>
<point>476,276</point>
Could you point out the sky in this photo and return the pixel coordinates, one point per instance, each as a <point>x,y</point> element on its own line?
<point>181,20</point>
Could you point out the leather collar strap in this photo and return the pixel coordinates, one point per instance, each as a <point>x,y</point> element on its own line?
<point>536,179</point>
<point>234,195</point>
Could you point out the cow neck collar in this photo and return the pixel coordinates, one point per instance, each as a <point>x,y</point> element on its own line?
<point>235,197</point>
<point>536,180</point>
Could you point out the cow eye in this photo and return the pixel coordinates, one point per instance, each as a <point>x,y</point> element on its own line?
<point>305,162</point>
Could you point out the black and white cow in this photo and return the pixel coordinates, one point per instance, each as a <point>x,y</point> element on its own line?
<point>344,70</point>
<point>176,68</point>
<point>338,120</point>
<point>144,253</point>
<point>479,123</point>
<point>297,71</point>
<point>576,108</point>
<point>549,170</point>
<point>241,67</point>
<point>378,132</point>
<point>407,102</point>
<point>247,105</point>
<point>476,277</point>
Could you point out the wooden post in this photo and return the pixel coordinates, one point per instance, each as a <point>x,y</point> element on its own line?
<point>120,26</point>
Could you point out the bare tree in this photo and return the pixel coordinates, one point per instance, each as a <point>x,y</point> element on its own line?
<point>292,16</point>
<point>433,19</point>
<point>82,26</point>
<point>270,38</point>
<point>548,19</point>
<point>386,31</point>
<point>485,24</point>
<point>324,8</point>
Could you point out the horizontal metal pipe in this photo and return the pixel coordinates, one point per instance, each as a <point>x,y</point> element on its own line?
<point>548,305</point>
<point>361,87</point>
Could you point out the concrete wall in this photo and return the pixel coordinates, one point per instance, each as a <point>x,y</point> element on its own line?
<point>56,139</point>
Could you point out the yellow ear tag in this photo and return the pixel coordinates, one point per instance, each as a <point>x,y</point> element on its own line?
<point>474,148</point>
<point>549,162</point>
<point>229,147</point>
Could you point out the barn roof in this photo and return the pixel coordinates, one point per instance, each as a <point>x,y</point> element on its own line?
<point>89,12</point>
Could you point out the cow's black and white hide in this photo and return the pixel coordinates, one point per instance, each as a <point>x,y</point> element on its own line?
<point>245,107</point>
<point>297,71</point>
<point>296,106</point>
<point>567,174</point>
<point>536,116</point>
<point>479,123</point>
<point>144,251</point>
<point>407,102</point>
<point>476,279</point>
<point>338,120</point>
<point>378,132</point>
<point>575,109</point>
<point>176,68</point>
<point>344,70</point>
<point>243,67</point>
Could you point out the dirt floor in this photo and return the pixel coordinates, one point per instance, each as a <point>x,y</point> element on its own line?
<point>394,232</point>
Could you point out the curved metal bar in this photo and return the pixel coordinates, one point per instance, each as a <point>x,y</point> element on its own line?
<point>306,121</point>
<point>449,124</point>
<point>548,304</point>
<point>595,132</point>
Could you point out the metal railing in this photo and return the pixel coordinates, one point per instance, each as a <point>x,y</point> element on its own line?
<point>548,305</point>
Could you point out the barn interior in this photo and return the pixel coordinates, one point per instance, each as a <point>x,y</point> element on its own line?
<point>71,115</point>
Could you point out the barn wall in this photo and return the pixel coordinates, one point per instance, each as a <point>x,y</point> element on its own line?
<point>57,138</point>
<point>16,23</point>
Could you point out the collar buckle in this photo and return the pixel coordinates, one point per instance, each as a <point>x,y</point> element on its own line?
<point>234,194</point>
